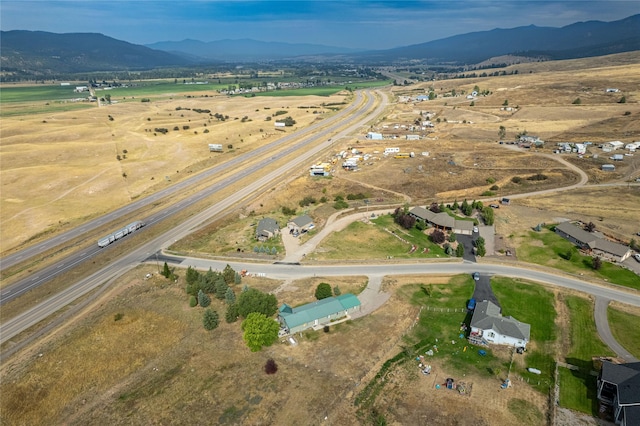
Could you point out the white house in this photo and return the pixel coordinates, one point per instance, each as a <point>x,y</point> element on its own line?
<point>612,146</point>
<point>581,148</point>
<point>489,326</point>
<point>279,124</point>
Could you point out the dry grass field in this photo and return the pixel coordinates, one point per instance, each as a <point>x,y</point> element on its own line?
<point>140,355</point>
<point>59,169</point>
<point>157,365</point>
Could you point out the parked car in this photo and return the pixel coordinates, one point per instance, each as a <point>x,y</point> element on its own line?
<point>637,256</point>
<point>472,304</point>
<point>476,276</point>
<point>475,230</point>
<point>494,206</point>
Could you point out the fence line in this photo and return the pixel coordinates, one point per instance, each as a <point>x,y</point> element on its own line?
<point>450,310</point>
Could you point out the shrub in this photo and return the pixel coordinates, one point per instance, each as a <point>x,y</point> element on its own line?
<point>270,367</point>
<point>490,180</point>
<point>438,237</point>
<point>494,188</point>
<point>323,291</point>
<point>538,177</point>
<point>488,194</point>
<point>516,179</point>
<point>577,101</point>
<point>193,301</point>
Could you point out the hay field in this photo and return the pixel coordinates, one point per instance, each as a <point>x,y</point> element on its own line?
<point>60,168</point>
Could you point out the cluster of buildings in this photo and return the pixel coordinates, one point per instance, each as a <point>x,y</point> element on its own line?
<point>268,228</point>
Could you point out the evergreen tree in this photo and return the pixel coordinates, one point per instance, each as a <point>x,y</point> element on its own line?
<point>221,289</point>
<point>254,300</point>
<point>229,296</point>
<point>192,275</point>
<point>203,299</point>
<point>336,291</point>
<point>232,313</point>
<point>460,250</point>
<point>166,272</point>
<point>228,274</point>
<point>237,279</point>
<point>192,301</point>
<point>210,319</point>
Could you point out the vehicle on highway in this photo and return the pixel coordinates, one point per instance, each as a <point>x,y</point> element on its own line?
<point>476,276</point>
<point>114,236</point>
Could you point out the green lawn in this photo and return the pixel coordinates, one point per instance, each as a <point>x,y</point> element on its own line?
<point>578,391</point>
<point>577,388</point>
<point>624,327</point>
<point>585,342</point>
<point>534,305</point>
<point>548,249</point>
<point>444,311</point>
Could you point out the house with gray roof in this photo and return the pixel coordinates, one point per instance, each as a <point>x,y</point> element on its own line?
<point>318,313</point>
<point>488,326</point>
<point>619,391</point>
<point>301,224</point>
<point>267,228</point>
<point>443,221</point>
<point>592,243</point>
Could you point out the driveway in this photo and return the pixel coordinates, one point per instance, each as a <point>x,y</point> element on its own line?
<point>483,290</point>
<point>467,242</point>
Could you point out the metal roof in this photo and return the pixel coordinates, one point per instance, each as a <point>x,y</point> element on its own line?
<point>310,312</point>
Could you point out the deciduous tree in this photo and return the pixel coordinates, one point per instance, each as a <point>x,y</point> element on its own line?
<point>323,291</point>
<point>259,330</point>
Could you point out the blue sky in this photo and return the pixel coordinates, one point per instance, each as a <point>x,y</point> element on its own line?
<point>356,24</point>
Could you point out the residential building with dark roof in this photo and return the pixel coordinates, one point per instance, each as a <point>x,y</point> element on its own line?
<point>301,224</point>
<point>592,243</point>
<point>443,221</point>
<point>267,228</point>
<point>619,390</point>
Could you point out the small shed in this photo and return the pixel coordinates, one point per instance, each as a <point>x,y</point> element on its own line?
<point>374,136</point>
<point>608,168</point>
<point>505,201</point>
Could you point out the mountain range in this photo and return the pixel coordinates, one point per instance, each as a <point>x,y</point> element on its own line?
<point>41,53</point>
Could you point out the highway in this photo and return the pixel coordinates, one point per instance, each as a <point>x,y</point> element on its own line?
<point>41,311</point>
<point>269,154</point>
<point>236,163</point>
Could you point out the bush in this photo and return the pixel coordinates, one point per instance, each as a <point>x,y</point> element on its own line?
<point>193,301</point>
<point>438,237</point>
<point>323,291</point>
<point>538,177</point>
<point>488,194</point>
<point>577,101</point>
<point>270,367</point>
<point>516,179</point>
<point>494,188</point>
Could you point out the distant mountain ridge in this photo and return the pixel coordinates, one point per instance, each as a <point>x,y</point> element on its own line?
<point>582,39</point>
<point>41,54</point>
<point>246,50</point>
<point>45,53</point>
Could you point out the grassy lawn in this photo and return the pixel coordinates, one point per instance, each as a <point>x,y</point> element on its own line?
<point>577,388</point>
<point>547,248</point>
<point>531,304</point>
<point>626,334</point>
<point>440,320</point>
<point>38,93</point>
<point>528,413</point>
<point>578,391</point>
<point>365,241</point>
<point>585,342</point>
